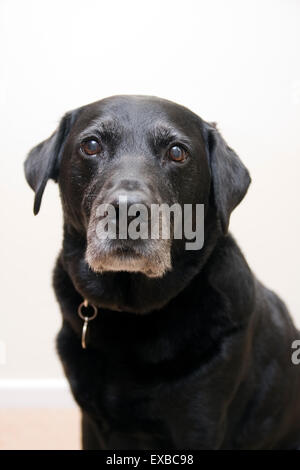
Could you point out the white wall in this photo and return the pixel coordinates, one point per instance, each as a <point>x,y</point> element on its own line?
<point>230,61</point>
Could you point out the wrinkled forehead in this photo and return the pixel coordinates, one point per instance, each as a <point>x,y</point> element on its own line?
<point>143,117</point>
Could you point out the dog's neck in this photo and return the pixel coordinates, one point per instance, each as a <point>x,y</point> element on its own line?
<point>131,292</point>
<point>194,307</point>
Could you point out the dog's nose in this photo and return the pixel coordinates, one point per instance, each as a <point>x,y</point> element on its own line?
<point>129,185</point>
<point>122,202</point>
<point>128,192</point>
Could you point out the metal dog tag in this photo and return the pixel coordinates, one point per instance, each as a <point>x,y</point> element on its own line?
<point>86,320</point>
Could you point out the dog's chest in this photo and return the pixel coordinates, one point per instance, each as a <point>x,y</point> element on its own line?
<point>115,391</point>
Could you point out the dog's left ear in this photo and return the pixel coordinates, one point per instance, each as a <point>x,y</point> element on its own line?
<point>42,162</point>
<point>230,178</point>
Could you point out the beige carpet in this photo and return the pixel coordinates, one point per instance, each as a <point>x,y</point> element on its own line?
<point>38,429</point>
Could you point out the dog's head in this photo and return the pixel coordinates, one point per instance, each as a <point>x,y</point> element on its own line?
<point>140,152</point>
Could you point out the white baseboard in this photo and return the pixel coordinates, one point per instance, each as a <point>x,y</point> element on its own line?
<point>35,393</point>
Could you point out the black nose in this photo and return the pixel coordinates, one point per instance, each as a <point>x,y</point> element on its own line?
<point>123,200</point>
<point>129,184</point>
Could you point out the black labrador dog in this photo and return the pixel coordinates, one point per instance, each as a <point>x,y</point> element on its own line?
<point>164,347</point>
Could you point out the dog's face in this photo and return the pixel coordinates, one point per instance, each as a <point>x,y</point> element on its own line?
<point>145,150</point>
<point>140,151</point>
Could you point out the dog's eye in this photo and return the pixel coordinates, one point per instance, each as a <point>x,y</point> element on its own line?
<point>91,147</point>
<point>177,154</point>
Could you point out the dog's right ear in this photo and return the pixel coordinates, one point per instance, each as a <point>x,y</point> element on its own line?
<point>42,162</point>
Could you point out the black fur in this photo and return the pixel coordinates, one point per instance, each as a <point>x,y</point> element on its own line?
<point>197,359</point>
